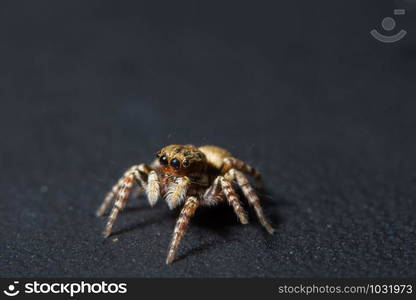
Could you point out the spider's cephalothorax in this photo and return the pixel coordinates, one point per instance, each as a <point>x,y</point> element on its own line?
<point>191,175</point>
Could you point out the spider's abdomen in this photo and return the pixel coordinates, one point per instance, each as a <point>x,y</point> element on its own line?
<point>215,155</point>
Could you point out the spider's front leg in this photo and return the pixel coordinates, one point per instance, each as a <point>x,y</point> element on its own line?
<point>121,192</point>
<point>182,223</point>
<point>111,195</point>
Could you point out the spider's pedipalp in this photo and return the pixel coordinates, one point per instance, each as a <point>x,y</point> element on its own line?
<point>252,197</point>
<point>233,200</point>
<point>182,223</point>
<point>153,188</point>
<point>177,191</point>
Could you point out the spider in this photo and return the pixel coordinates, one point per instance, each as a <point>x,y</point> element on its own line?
<point>191,175</point>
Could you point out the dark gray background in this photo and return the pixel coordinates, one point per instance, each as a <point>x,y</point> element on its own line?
<point>299,89</point>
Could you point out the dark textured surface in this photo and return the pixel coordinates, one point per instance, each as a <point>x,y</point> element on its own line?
<point>298,89</point>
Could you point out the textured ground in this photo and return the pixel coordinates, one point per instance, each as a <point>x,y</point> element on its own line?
<point>298,89</point>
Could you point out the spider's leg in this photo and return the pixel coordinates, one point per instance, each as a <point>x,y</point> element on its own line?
<point>177,191</point>
<point>109,198</point>
<point>235,163</point>
<point>111,195</point>
<point>213,194</point>
<point>142,182</point>
<point>121,200</point>
<point>233,200</point>
<point>135,173</point>
<point>187,212</point>
<point>142,169</point>
<point>252,197</point>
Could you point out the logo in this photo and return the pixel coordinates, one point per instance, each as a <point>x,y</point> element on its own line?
<point>11,291</point>
<point>389,24</point>
<point>69,288</point>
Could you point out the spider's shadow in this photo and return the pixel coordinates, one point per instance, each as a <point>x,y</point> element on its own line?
<point>204,247</point>
<point>140,224</point>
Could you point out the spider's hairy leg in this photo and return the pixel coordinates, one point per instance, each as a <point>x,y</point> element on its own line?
<point>252,197</point>
<point>122,197</point>
<point>135,173</point>
<point>213,194</point>
<point>235,163</point>
<point>182,223</point>
<point>233,200</point>
<point>177,191</point>
<point>142,168</point>
<point>109,198</point>
<point>153,188</point>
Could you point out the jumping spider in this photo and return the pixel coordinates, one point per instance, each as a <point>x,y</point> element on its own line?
<point>184,173</point>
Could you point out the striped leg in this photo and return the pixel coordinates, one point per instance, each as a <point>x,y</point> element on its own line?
<point>177,191</point>
<point>111,195</point>
<point>142,171</point>
<point>187,212</point>
<point>121,200</point>
<point>109,198</point>
<point>213,195</point>
<point>233,199</point>
<point>135,173</point>
<point>252,197</point>
<point>235,163</point>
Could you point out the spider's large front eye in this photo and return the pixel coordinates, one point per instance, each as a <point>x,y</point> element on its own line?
<point>163,160</point>
<point>175,163</point>
<point>185,163</point>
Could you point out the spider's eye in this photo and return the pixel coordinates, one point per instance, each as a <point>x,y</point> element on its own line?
<point>185,163</point>
<point>175,163</point>
<point>163,160</point>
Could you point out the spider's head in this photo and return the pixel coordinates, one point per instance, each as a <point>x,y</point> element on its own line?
<point>181,160</point>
